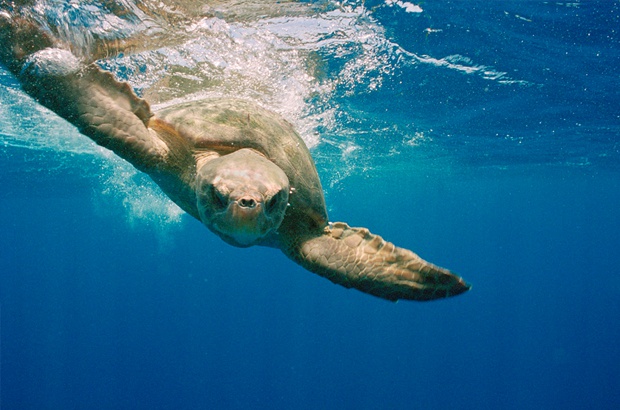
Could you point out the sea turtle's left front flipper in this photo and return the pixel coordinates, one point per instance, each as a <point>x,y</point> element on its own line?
<point>355,258</point>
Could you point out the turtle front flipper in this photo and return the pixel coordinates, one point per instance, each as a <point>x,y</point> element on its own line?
<point>101,108</point>
<point>355,258</point>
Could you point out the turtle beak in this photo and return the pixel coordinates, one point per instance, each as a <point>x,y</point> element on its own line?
<point>245,221</point>
<point>246,205</point>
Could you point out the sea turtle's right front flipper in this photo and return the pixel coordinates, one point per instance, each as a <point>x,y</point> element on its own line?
<point>356,258</point>
<point>102,108</point>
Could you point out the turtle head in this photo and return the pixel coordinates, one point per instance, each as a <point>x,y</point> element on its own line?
<point>242,197</point>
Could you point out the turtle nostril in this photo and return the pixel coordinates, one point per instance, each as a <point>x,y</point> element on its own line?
<point>247,203</point>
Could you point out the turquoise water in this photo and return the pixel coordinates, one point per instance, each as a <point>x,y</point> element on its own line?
<point>482,135</point>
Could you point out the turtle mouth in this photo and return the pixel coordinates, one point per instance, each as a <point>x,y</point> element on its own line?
<point>243,222</point>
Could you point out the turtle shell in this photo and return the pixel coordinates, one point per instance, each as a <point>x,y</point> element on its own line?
<point>225,125</point>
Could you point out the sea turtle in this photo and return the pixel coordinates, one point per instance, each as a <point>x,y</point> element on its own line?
<point>238,168</point>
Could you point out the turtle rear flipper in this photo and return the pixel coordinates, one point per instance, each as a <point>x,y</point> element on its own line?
<point>355,258</point>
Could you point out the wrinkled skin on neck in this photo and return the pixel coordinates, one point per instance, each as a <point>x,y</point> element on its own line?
<point>242,197</point>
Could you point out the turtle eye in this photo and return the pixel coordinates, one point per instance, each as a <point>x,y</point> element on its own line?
<point>273,202</point>
<point>218,200</point>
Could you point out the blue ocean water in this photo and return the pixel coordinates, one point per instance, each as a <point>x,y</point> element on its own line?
<point>481,135</point>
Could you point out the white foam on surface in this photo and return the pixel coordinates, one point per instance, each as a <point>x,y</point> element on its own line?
<point>293,64</point>
<point>407,6</point>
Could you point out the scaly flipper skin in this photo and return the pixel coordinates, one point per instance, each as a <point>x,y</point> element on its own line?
<point>355,258</point>
<point>100,107</point>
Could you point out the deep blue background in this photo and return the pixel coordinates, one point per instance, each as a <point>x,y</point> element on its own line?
<point>97,313</point>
